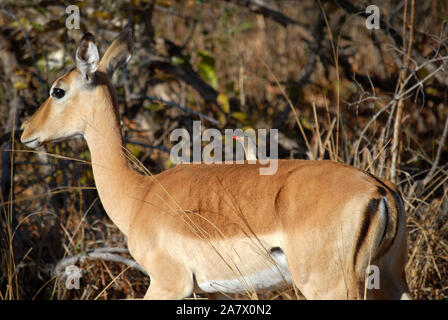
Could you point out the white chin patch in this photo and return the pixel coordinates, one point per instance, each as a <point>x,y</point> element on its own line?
<point>33,144</point>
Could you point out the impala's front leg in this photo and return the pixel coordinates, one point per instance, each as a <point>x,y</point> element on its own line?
<point>169,278</point>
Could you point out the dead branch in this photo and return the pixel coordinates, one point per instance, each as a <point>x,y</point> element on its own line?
<point>260,7</point>
<point>106,254</point>
<point>176,105</point>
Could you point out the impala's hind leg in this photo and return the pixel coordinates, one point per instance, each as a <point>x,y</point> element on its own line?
<point>320,286</point>
<point>391,264</point>
<point>169,279</point>
<point>392,278</point>
<point>391,288</point>
<point>321,272</point>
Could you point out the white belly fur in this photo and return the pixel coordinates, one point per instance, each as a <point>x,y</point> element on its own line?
<point>268,279</point>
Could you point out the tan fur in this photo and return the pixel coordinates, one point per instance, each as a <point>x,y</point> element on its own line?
<point>197,223</point>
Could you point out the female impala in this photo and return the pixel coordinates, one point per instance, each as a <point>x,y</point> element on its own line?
<point>224,228</point>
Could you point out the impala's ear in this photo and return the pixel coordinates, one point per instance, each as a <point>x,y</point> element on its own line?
<point>119,52</point>
<point>87,56</point>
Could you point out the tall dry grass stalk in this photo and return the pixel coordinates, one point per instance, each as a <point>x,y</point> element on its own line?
<point>395,151</point>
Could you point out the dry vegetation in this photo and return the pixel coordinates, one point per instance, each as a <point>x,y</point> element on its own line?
<point>310,69</point>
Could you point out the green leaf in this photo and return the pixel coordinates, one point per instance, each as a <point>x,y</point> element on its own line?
<point>169,163</point>
<point>178,60</point>
<point>207,69</point>
<point>155,107</point>
<point>242,27</point>
<point>432,91</point>
<point>102,15</point>
<point>37,26</point>
<point>134,149</point>
<point>163,3</point>
<point>19,85</point>
<point>223,101</point>
<point>78,247</point>
<point>240,116</point>
<point>306,124</point>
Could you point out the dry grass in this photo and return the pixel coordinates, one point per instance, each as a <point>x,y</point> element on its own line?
<point>57,214</point>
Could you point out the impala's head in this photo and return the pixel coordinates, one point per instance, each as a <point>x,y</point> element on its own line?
<point>75,95</point>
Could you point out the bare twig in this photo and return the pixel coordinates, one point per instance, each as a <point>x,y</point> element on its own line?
<point>335,52</point>
<point>394,100</point>
<point>436,161</point>
<point>399,115</point>
<point>260,7</point>
<point>185,73</point>
<point>161,148</point>
<point>106,254</point>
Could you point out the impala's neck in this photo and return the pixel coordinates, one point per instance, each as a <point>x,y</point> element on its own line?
<point>115,179</point>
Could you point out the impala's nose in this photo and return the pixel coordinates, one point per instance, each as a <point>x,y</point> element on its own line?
<point>24,124</point>
<point>31,142</point>
<point>22,127</point>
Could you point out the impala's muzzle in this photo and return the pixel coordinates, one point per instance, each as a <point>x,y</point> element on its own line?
<point>29,141</point>
<point>33,143</point>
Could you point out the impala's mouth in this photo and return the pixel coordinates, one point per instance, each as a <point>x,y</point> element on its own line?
<point>32,143</point>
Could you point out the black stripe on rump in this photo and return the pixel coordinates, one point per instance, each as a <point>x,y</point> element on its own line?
<point>382,191</point>
<point>371,209</point>
<point>398,209</point>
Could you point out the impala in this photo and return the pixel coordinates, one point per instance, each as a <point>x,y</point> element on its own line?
<point>223,228</point>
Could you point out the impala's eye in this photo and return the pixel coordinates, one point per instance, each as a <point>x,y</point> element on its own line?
<point>58,93</point>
